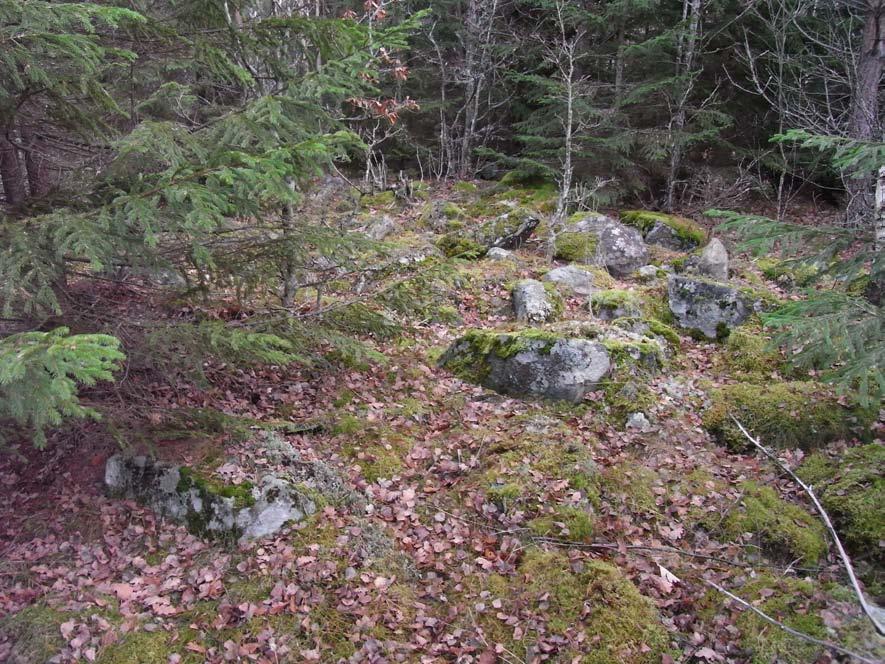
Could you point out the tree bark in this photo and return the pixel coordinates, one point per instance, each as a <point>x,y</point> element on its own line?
<point>11,172</point>
<point>864,124</point>
<point>36,163</point>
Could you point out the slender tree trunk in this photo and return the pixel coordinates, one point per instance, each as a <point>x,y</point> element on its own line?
<point>864,125</point>
<point>619,67</point>
<point>36,164</point>
<point>687,49</point>
<point>880,210</point>
<point>11,172</point>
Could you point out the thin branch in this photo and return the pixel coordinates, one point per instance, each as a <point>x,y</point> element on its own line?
<point>846,561</point>
<point>789,630</point>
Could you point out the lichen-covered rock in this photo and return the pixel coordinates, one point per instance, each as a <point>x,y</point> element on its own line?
<point>532,303</point>
<point>207,507</point>
<point>713,261</point>
<point>707,307</point>
<point>530,363</point>
<point>621,249</point>
<point>508,231</point>
<point>665,230</point>
<point>782,415</point>
<point>571,278</point>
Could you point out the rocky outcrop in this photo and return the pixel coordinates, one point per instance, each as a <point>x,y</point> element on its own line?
<point>532,303</point>
<point>713,261</point>
<point>530,363</point>
<point>380,228</point>
<point>206,506</point>
<point>571,278</point>
<point>508,231</point>
<point>665,230</point>
<point>707,307</point>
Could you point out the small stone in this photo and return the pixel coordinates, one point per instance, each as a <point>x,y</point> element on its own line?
<point>639,422</point>
<point>648,271</point>
<point>499,254</point>
<point>572,278</point>
<point>714,261</point>
<point>531,302</point>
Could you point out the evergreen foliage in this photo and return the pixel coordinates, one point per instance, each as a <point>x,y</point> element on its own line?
<point>40,373</point>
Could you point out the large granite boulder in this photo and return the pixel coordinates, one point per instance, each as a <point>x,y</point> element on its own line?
<point>709,308</point>
<point>530,363</point>
<point>532,303</point>
<point>206,506</point>
<point>508,231</point>
<point>571,278</point>
<point>597,239</point>
<point>621,250</point>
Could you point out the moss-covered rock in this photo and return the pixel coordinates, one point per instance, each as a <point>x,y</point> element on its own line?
<point>782,415</point>
<point>667,230</point>
<point>749,350</point>
<point>575,246</point>
<point>507,231</point>
<point>790,601</point>
<point>788,272</point>
<point>852,490</point>
<point>784,530</point>
<point>464,187</point>
<point>383,199</point>
<point>35,633</point>
<point>708,309</point>
<point>626,627</point>
<point>611,304</point>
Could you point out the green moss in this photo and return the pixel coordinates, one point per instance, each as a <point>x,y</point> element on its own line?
<point>465,187</point>
<point>555,298</point>
<point>629,354</point>
<point>383,199</point>
<point>689,232</point>
<point>790,601</point>
<point>452,211</point>
<point>579,247</point>
<point>749,350</point>
<point>210,488</point>
<point>347,424</point>
<point>378,461</point>
<point>626,627</point>
<point>852,490</point>
<point>782,415</point>
<point>616,302</point>
<point>631,485</point>
<point>34,633</point>
<point>469,357</point>
<point>788,272</point>
<point>504,494</point>
<point>786,531</point>
<point>456,245</point>
<point>566,522</point>
<point>663,330</point>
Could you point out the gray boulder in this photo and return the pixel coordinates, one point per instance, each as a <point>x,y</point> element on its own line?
<point>713,262</point>
<point>571,278</point>
<point>498,254</point>
<point>531,302</point>
<point>666,236</point>
<point>621,249</point>
<point>207,507</point>
<point>530,364</point>
<point>710,308</point>
<point>380,227</point>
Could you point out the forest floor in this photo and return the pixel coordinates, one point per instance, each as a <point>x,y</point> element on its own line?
<point>484,529</point>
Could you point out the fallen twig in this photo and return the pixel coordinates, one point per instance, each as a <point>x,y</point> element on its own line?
<point>800,635</point>
<point>846,561</point>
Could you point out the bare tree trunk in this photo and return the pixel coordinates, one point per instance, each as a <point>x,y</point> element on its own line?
<point>36,164</point>
<point>864,125</point>
<point>11,172</point>
<point>687,49</point>
<point>880,210</point>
